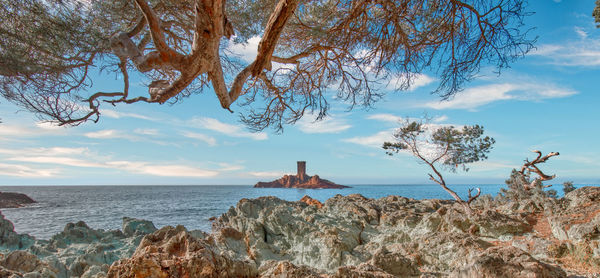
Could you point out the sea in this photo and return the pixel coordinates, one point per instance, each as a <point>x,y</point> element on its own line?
<point>103,207</point>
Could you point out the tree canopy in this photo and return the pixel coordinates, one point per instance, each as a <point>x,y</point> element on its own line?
<point>450,147</point>
<point>48,49</point>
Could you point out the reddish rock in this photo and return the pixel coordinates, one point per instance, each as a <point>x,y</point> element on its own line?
<point>300,180</point>
<point>311,202</point>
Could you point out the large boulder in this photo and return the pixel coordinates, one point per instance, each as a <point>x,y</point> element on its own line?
<point>173,252</point>
<point>507,262</point>
<point>11,240</point>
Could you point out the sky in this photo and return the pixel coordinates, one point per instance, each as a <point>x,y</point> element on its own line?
<point>547,101</point>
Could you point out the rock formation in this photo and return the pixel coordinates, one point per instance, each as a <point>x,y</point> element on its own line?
<point>300,180</point>
<point>346,236</point>
<point>14,200</point>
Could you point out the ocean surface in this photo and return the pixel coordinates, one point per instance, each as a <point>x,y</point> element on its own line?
<point>103,207</point>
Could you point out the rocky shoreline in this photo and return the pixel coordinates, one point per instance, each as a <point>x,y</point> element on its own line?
<point>346,236</point>
<point>14,200</point>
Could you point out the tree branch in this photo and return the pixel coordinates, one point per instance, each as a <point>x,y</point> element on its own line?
<point>266,46</point>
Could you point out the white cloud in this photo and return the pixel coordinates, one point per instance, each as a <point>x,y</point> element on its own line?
<point>67,161</point>
<point>104,134</point>
<point>84,158</point>
<point>478,96</point>
<point>147,131</point>
<point>375,140</point>
<point>440,119</point>
<point>418,80</point>
<point>227,129</point>
<point>384,117</point>
<point>53,151</point>
<point>584,52</point>
<point>267,174</point>
<point>8,131</point>
<point>23,171</point>
<point>329,124</point>
<point>49,126</point>
<point>246,51</point>
<point>117,115</point>
<point>227,167</point>
<point>162,170</point>
<point>581,33</point>
<point>211,141</point>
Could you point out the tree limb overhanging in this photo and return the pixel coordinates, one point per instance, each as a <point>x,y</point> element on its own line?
<point>306,50</point>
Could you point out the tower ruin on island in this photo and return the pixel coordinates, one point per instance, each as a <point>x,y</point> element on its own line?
<point>300,180</point>
<point>301,170</point>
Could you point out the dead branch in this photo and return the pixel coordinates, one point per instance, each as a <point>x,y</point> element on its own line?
<point>531,166</point>
<point>472,198</point>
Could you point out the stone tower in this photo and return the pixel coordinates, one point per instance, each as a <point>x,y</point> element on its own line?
<point>301,170</point>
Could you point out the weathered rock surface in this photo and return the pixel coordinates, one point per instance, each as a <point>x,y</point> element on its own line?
<point>14,200</point>
<point>173,252</point>
<point>346,236</point>
<point>78,251</point>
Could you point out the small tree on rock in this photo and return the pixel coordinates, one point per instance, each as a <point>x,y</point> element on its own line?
<point>568,187</point>
<point>526,190</point>
<point>449,147</point>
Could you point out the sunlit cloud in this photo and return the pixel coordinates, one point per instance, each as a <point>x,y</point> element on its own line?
<point>23,171</point>
<point>139,136</point>
<point>375,141</point>
<point>330,124</point>
<point>162,170</point>
<point>384,117</point>
<point>246,51</point>
<point>417,81</point>
<point>584,52</point>
<point>211,141</point>
<point>267,174</point>
<point>227,129</point>
<point>474,97</point>
<point>147,131</point>
<point>67,161</point>
<point>117,115</point>
<point>84,158</point>
<point>440,119</point>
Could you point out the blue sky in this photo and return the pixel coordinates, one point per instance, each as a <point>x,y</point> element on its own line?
<point>547,101</point>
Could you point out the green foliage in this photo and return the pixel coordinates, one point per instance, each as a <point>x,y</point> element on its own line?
<point>535,198</point>
<point>596,13</point>
<point>49,47</point>
<point>568,187</point>
<point>453,147</point>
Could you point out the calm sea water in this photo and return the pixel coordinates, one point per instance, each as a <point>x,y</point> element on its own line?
<point>105,206</point>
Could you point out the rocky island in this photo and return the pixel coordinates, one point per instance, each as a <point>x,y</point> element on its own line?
<point>300,180</point>
<point>345,236</point>
<point>14,200</point>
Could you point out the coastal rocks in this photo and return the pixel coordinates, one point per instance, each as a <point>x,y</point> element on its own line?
<point>78,251</point>
<point>14,200</point>
<point>135,227</point>
<point>173,252</point>
<point>507,262</point>
<point>9,239</point>
<point>345,236</point>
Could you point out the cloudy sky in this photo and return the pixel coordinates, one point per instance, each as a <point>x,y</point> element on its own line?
<point>547,101</point>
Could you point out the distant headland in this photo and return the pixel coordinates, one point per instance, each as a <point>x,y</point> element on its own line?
<point>14,200</point>
<point>300,180</point>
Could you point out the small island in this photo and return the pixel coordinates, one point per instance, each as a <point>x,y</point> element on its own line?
<point>300,180</point>
<point>14,200</point>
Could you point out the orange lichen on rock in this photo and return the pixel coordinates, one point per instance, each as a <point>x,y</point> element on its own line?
<point>311,202</point>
